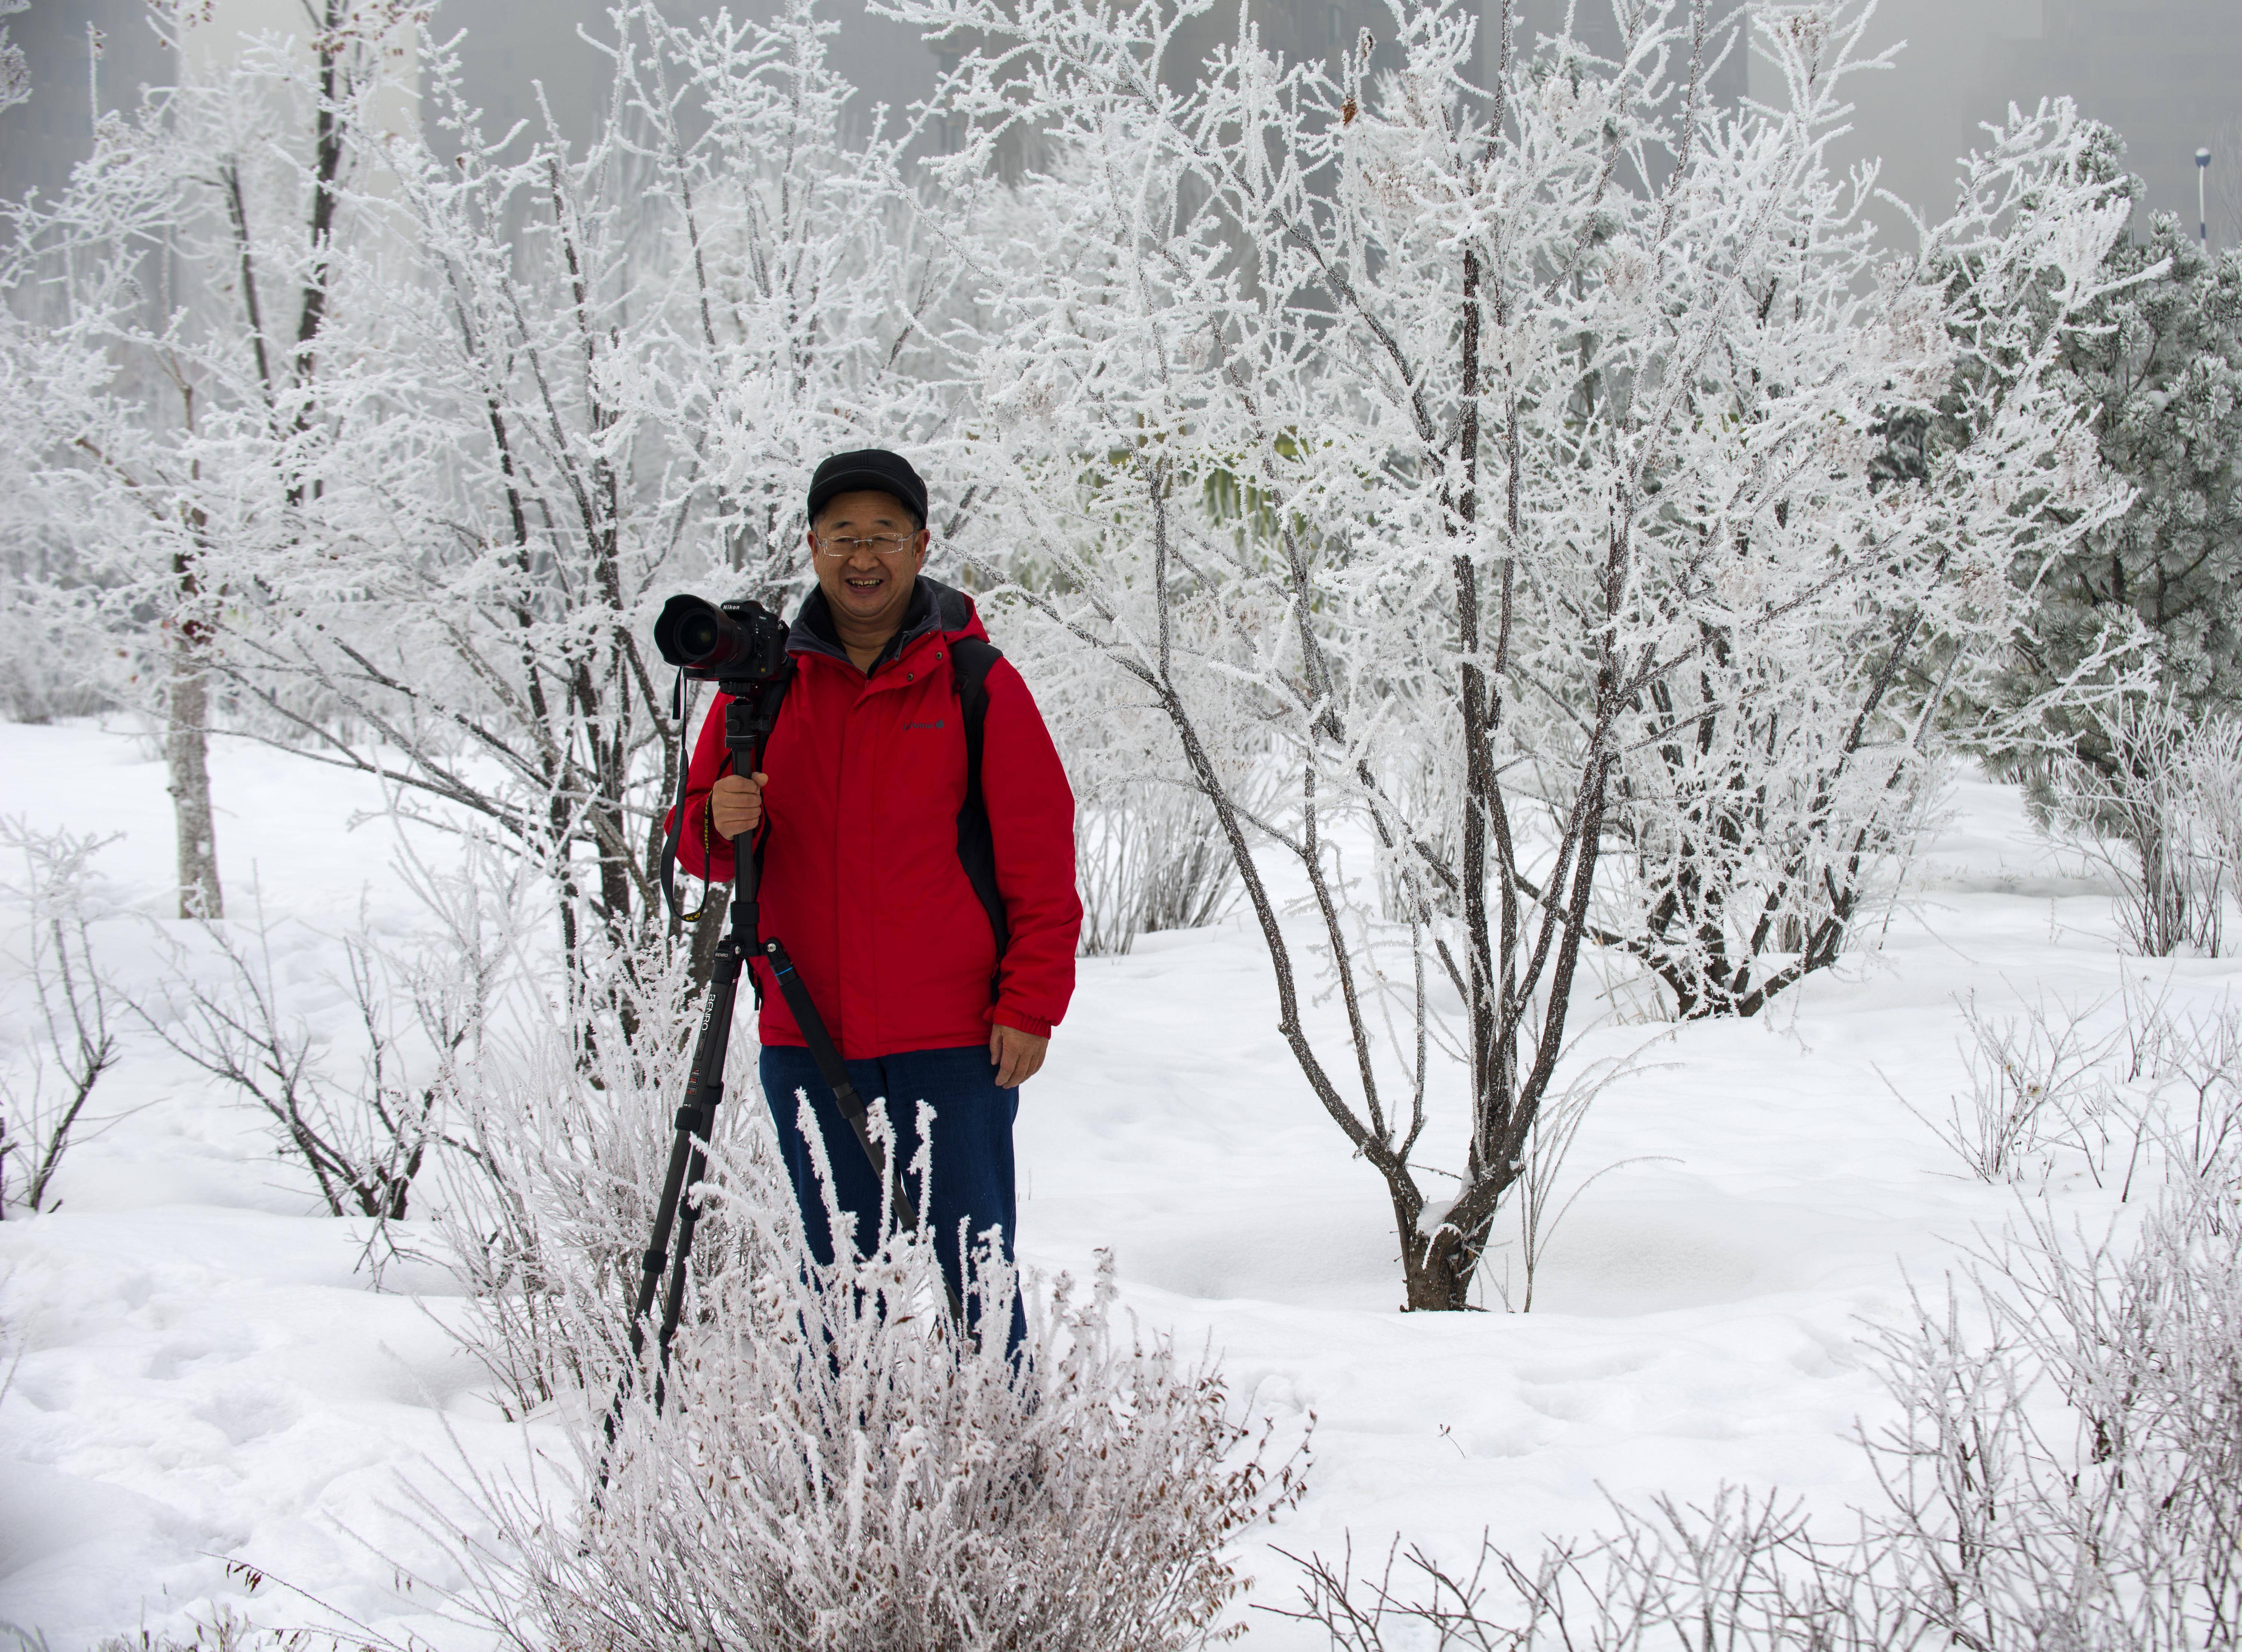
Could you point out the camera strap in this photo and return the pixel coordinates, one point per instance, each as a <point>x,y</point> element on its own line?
<point>681,709</point>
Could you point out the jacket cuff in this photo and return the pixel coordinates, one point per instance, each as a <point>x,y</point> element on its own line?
<point>1005,1015</point>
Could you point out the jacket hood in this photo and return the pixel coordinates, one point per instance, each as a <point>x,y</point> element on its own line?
<point>936,609</point>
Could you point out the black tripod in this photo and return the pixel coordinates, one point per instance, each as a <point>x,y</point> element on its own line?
<point>746,723</point>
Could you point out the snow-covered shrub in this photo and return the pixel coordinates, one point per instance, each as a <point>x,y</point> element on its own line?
<point>833,1466</point>
<point>1740,1573</point>
<point>2033,1080</point>
<point>825,1460</point>
<point>1148,856</point>
<point>562,1114</point>
<point>2067,1467</point>
<point>2066,1471</point>
<point>1148,850</point>
<point>2063,1467</point>
<point>2158,1094</point>
<point>70,1026</point>
<point>566,1122</point>
<point>2191,1064</point>
<point>2140,784</point>
<point>881,1480</point>
<point>421,1011</point>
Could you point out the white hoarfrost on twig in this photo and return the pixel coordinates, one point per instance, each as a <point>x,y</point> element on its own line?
<point>69,1028</point>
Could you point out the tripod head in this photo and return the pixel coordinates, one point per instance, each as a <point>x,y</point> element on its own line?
<point>753,711</point>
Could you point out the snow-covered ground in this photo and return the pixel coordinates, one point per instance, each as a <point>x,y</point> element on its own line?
<point>206,1389</point>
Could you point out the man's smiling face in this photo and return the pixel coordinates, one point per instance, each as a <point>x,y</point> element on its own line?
<point>868,588</point>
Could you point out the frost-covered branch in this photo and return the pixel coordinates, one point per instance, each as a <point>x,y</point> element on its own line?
<point>73,1038</point>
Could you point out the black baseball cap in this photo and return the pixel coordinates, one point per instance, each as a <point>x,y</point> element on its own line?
<point>872,468</point>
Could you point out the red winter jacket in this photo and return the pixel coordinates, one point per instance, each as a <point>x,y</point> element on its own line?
<point>860,876</point>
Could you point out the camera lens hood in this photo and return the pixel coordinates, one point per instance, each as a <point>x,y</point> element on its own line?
<point>690,631</point>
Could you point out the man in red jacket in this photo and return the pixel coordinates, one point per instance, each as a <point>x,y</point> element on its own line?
<point>857,817</point>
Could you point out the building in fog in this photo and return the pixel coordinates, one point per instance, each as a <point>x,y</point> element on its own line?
<point>43,137</point>
<point>86,55</point>
<point>2167,74</point>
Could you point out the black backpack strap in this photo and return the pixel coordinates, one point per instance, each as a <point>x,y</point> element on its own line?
<point>971,660</point>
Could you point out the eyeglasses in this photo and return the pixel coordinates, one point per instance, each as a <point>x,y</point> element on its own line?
<point>839,549</point>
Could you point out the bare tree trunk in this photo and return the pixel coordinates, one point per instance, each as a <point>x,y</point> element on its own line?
<point>187,754</point>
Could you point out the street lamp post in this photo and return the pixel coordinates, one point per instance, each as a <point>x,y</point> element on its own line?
<point>2202,217</point>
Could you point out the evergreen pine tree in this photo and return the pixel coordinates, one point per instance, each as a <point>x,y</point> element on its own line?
<point>2158,375</point>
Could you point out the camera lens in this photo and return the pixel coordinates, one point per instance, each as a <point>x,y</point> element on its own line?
<point>698,634</point>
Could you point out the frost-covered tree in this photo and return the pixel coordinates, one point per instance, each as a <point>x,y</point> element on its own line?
<point>602,376</point>
<point>2148,605</point>
<point>1554,421</point>
<point>166,319</point>
<point>400,427</point>
<point>1149,855</point>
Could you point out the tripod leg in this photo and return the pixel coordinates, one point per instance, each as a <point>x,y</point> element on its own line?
<point>693,1122</point>
<point>746,721</point>
<point>688,1217</point>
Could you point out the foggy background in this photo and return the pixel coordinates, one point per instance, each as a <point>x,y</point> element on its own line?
<point>2167,74</point>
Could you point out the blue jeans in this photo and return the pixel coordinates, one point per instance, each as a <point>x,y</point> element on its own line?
<point>971,1155</point>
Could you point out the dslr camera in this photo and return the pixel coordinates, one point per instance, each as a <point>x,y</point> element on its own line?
<point>729,642</point>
